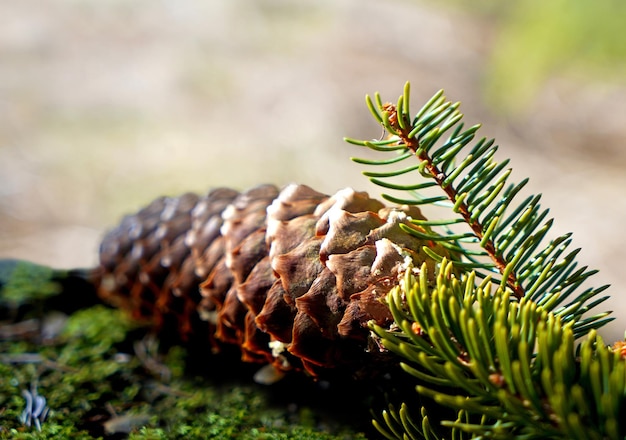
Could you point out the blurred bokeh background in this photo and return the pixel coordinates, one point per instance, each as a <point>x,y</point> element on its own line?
<point>105,105</point>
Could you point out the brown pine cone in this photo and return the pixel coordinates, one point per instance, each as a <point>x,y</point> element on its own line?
<point>291,276</point>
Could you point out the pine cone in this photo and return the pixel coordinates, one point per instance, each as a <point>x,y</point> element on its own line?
<point>291,276</point>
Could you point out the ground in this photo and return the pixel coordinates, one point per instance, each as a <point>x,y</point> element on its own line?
<point>100,380</point>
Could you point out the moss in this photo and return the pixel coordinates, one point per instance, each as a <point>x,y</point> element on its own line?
<point>96,388</point>
<point>24,282</point>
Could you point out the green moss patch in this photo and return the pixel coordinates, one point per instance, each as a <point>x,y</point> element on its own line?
<point>97,387</point>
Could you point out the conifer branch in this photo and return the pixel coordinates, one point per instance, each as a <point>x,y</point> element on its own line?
<point>501,352</point>
<point>509,367</point>
<point>399,123</point>
<point>505,241</point>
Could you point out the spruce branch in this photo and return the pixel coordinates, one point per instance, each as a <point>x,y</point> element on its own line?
<point>402,128</point>
<point>396,120</point>
<point>503,240</point>
<point>494,338</point>
<point>509,367</point>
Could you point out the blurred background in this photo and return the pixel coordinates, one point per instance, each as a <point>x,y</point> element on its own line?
<point>105,105</point>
